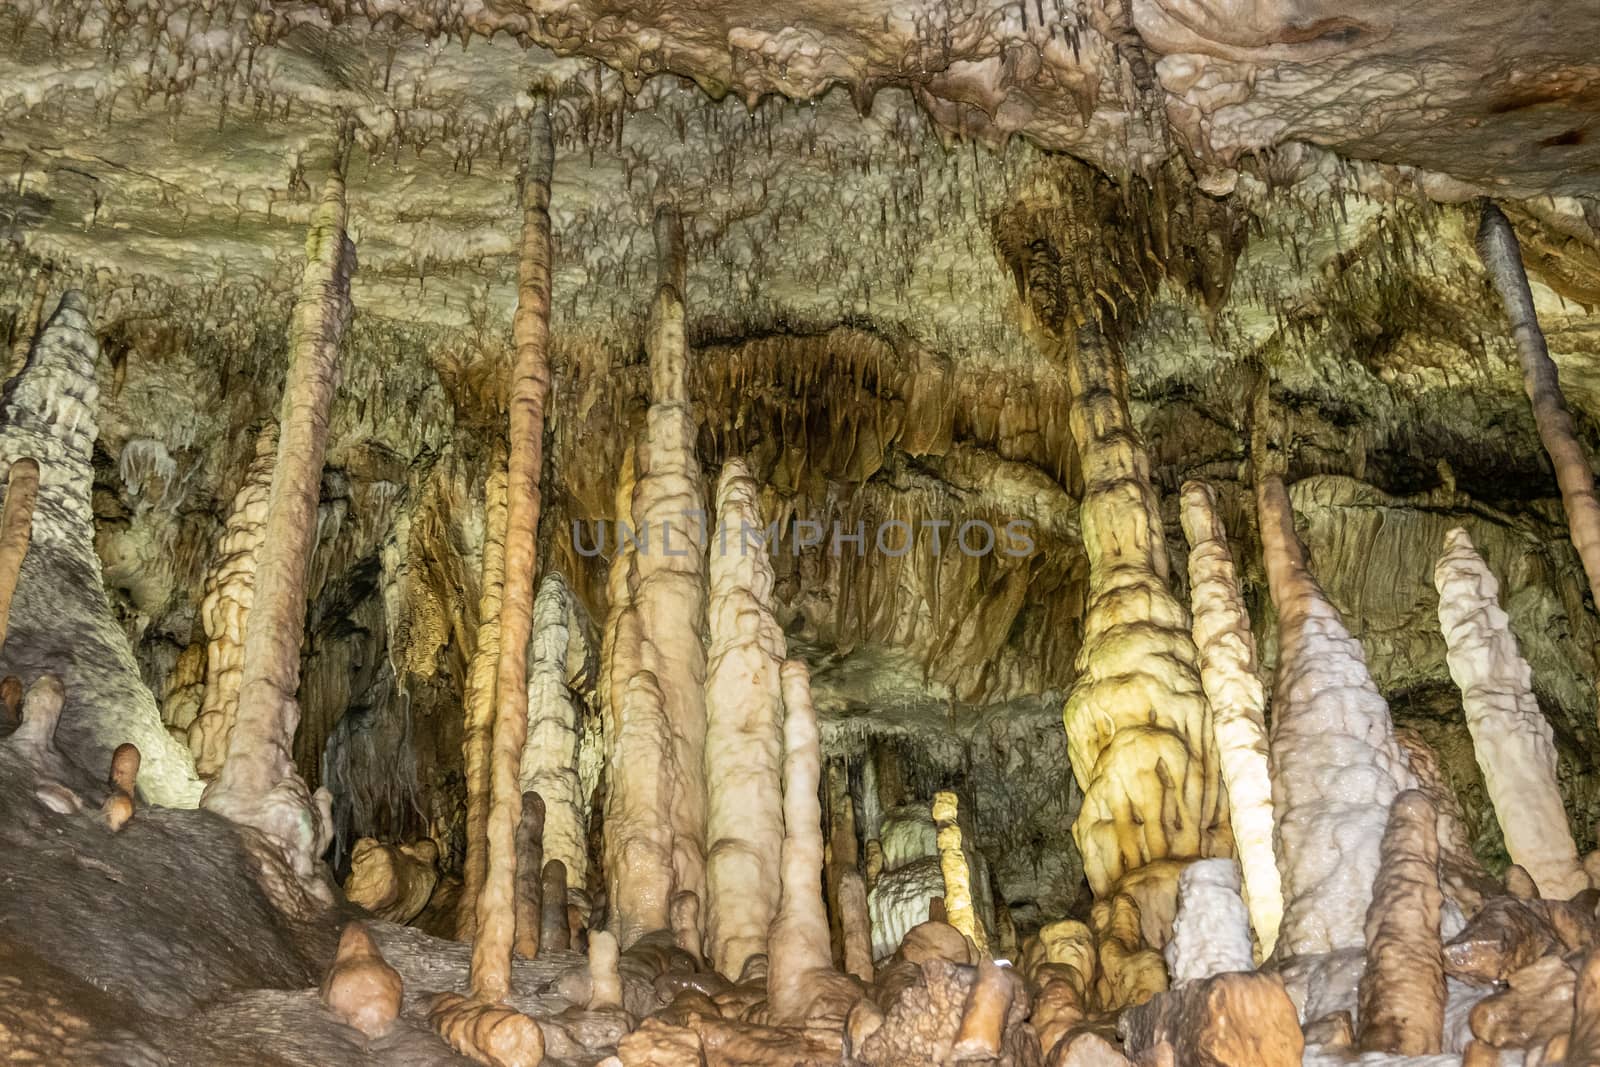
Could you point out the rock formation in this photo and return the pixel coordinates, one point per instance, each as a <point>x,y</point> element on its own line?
<point>16,530</point>
<point>393,882</point>
<point>1513,742</point>
<point>1403,989</point>
<point>361,988</point>
<point>958,903</point>
<point>123,782</point>
<point>1211,934</point>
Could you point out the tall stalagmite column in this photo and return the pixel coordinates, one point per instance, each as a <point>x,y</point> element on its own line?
<point>480,699</point>
<point>1228,672</point>
<point>669,587</point>
<point>60,621</point>
<point>1502,258</point>
<point>744,722</point>
<point>550,756</point>
<point>530,388</point>
<point>1514,744</point>
<point>1336,767</point>
<point>230,590</point>
<point>1138,725</point>
<point>258,785</point>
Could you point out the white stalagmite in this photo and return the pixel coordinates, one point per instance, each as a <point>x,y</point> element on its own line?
<point>550,752</point>
<point>1513,743</point>
<point>744,722</point>
<point>230,590</point>
<point>1336,767</point>
<point>1211,934</point>
<point>669,572</point>
<point>1228,672</point>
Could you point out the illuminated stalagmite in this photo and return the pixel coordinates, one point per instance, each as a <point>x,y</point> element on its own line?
<point>1502,259</point>
<point>258,785</point>
<point>1402,989</point>
<point>1211,934</point>
<point>60,620</point>
<point>1228,671</point>
<point>1335,764</point>
<point>550,754</point>
<point>958,903</point>
<point>1138,725</point>
<point>479,699</point>
<point>744,720</point>
<point>230,590</point>
<point>1513,742</point>
<point>669,584</point>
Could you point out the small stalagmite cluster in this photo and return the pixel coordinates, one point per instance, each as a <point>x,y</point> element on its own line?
<point>780,556</point>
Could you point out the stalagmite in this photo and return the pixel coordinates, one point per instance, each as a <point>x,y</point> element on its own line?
<point>34,739</point>
<point>798,949</point>
<point>1514,744</point>
<point>605,984</point>
<point>744,743</point>
<point>958,904</point>
<point>27,327</point>
<point>230,591</point>
<point>550,753</point>
<point>123,780</point>
<point>554,923</point>
<point>669,583</point>
<point>1138,725</point>
<point>393,882</point>
<point>16,530</point>
<point>258,785</point>
<point>1130,973</point>
<point>842,853</point>
<point>683,916</point>
<point>855,926</point>
<point>1402,989</point>
<point>361,988</point>
<point>983,1020</point>
<point>1335,765</point>
<point>61,620</point>
<point>490,1034</point>
<point>1211,934</point>
<point>530,875</point>
<point>479,699</point>
<point>1227,1020</point>
<point>1502,259</point>
<point>1229,674</point>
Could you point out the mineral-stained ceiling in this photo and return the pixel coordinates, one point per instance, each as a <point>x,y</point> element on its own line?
<point>897,218</point>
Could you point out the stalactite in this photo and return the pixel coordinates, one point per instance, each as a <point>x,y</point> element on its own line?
<point>230,591</point>
<point>958,902</point>
<point>1502,260</point>
<point>60,620</point>
<point>1402,990</point>
<point>1335,764</point>
<point>479,699</point>
<point>16,530</point>
<point>1229,675</point>
<point>669,584</point>
<point>258,785</point>
<point>744,744</point>
<point>530,386</point>
<point>1138,725</point>
<point>550,754</point>
<point>1514,744</point>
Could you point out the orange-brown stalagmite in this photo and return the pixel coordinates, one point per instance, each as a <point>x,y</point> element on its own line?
<point>16,530</point>
<point>1502,259</point>
<point>1402,989</point>
<point>1138,724</point>
<point>480,700</point>
<point>258,785</point>
<point>123,780</point>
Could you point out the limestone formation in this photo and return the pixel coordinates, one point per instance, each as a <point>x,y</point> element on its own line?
<point>34,739</point>
<point>605,987</point>
<point>25,330</point>
<point>360,987</point>
<point>1583,1044</point>
<point>1403,989</point>
<point>1513,742</point>
<point>16,530</point>
<point>258,785</point>
<point>555,928</point>
<point>1335,765</point>
<point>1229,1020</point>
<point>230,591</point>
<point>744,741</point>
<point>1130,973</point>
<point>490,1034</point>
<point>123,782</point>
<point>1211,934</point>
<point>1230,675</point>
<point>60,619</point>
<point>958,903</point>
<point>393,882</point>
<point>550,752</point>
<point>530,876</point>
<point>1138,724</point>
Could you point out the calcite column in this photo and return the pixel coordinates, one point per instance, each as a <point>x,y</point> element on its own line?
<point>669,583</point>
<point>1229,673</point>
<point>1513,742</point>
<point>60,621</point>
<point>744,722</point>
<point>479,699</point>
<point>258,785</point>
<point>230,590</point>
<point>550,755</point>
<point>1335,765</point>
<point>958,904</point>
<point>1138,725</point>
<point>1502,259</point>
